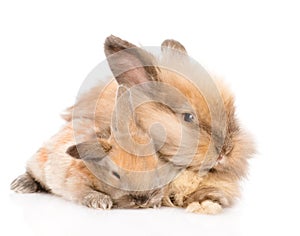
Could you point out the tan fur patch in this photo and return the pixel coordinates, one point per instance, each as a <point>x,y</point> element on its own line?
<point>42,157</point>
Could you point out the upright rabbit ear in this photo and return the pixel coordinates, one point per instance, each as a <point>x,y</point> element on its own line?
<point>173,44</point>
<point>89,151</point>
<point>130,65</point>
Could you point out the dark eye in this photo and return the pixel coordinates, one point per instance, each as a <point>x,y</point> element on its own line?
<point>188,117</point>
<point>116,174</point>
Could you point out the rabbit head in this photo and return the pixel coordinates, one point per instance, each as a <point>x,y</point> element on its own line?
<point>127,188</point>
<point>166,114</point>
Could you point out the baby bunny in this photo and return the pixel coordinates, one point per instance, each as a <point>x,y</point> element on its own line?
<point>96,171</point>
<point>123,144</point>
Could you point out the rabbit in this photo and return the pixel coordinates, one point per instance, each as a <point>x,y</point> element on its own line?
<point>198,144</point>
<point>112,180</point>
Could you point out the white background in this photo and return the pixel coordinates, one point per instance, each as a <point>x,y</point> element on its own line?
<point>48,48</point>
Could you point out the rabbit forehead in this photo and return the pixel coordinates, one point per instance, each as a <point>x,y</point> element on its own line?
<point>192,94</point>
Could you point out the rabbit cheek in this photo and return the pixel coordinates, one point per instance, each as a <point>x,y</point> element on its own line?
<point>164,128</point>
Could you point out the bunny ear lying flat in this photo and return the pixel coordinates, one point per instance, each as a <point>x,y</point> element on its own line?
<point>173,44</point>
<point>130,65</point>
<point>89,151</point>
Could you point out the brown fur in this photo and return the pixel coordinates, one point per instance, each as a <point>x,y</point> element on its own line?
<point>171,43</point>
<point>211,178</point>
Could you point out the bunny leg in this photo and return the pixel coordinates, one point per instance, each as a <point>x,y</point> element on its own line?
<point>26,184</point>
<point>207,200</point>
<point>97,200</point>
<point>205,207</point>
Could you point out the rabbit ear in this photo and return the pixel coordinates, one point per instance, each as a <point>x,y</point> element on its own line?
<point>173,44</point>
<point>130,65</point>
<point>89,151</point>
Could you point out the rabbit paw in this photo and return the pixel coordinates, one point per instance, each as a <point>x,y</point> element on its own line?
<point>25,184</point>
<point>97,200</point>
<point>205,207</point>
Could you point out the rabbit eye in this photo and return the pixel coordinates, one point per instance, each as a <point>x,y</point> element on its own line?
<point>188,117</point>
<point>116,174</point>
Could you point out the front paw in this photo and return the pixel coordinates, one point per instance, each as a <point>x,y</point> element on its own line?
<point>97,200</point>
<point>205,207</point>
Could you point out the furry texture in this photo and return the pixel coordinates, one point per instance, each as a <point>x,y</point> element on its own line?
<point>205,186</point>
